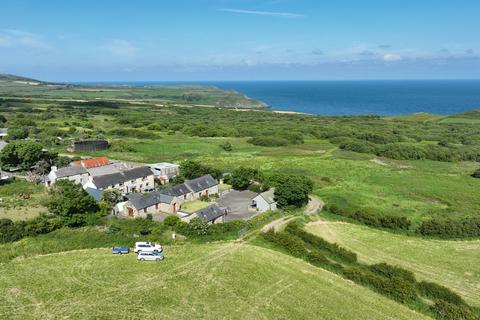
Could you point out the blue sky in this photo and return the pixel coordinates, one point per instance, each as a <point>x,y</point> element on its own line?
<point>119,40</point>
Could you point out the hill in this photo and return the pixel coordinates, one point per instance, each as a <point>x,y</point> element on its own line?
<point>222,280</point>
<point>453,264</point>
<point>11,77</point>
<point>36,91</point>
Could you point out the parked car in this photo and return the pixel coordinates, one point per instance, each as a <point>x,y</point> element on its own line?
<point>147,247</point>
<point>150,256</point>
<point>120,250</point>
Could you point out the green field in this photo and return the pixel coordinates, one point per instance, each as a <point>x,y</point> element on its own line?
<point>14,207</point>
<point>454,264</point>
<point>386,186</point>
<point>223,280</point>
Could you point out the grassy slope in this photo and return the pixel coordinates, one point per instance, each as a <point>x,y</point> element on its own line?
<point>454,264</point>
<point>228,280</point>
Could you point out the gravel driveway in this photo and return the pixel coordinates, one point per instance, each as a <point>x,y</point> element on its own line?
<point>238,204</point>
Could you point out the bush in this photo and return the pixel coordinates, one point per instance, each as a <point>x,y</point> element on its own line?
<point>227,146</point>
<point>292,244</point>
<point>448,311</point>
<point>241,178</point>
<point>450,228</point>
<point>121,146</point>
<point>389,271</point>
<point>198,227</point>
<point>171,220</point>
<point>402,151</point>
<point>476,174</point>
<point>438,292</point>
<point>319,243</point>
<point>268,141</point>
<point>395,287</point>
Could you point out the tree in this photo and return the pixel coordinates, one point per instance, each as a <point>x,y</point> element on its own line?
<point>293,191</point>
<point>242,178</point>
<point>17,133</point>
<point>71,203</point>
<point>22,154</point>
<point>111,196</point>
<point>192,169</point>
<point>198,226</point>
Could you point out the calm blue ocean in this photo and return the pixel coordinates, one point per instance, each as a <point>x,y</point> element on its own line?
<point>359,97</point>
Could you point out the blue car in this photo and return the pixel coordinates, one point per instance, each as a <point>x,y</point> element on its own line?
<point>120,250</point>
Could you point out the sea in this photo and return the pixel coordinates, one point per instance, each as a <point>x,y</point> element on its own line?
<point>384,98</point>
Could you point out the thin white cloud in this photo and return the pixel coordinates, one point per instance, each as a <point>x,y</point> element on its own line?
<point>120,48</point>
<point>391,57</point>
<point>11,38</point>
<point>288,15</point>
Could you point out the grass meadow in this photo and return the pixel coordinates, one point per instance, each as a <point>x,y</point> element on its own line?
<point>454,264</point>
<point>223,280</point>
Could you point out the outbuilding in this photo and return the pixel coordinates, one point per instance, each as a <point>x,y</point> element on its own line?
<point>265,201</point>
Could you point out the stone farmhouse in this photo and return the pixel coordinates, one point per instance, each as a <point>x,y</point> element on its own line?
<point>138,179</point>
<point>103,174</point>
<point>76,174</point>
<point>170,200</point>
<point>212,214</point>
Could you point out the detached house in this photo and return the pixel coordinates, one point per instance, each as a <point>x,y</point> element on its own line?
<point>76,174</point>
<point>138,179</point>
<point>265,201</point>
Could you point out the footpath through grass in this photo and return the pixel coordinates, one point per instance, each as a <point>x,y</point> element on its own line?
<point>454,264</point>
<point>215,281</point>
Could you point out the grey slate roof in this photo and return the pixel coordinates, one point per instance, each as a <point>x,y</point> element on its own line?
<point>201,183</point>
<point>95,193</point>
<point>269,195</point>
<point>177,191</point>
<point>70,171</point>
<point>140,202</point>
<point>210,213</point>
<point>107,180</point>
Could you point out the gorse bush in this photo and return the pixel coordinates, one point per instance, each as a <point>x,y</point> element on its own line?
<point>332,248</point>
<point>389,271</point>
<point>438,292</point>
<point>395,287</point>
<point>371,219</point>
<point>451,228</point>
<point>445,310</point>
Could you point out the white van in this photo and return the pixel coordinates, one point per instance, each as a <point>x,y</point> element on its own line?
<point>147,247</point>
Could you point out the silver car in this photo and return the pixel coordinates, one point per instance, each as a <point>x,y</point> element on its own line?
<point>150,256</point>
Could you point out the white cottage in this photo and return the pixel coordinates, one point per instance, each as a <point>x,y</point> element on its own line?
<point>265,201</point>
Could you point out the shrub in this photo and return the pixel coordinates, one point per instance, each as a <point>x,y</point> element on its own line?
<point>319,243</point>
<point>448,311</point>
<point>450,228</point>
<point>268,141</point>
<point>241,178</point>
<point>121,146</point>
<point>227,146</point>
<point>438,292</point>
<point>389,271</point>
<point>476,174</point>
<point>198,227</point>
<point>394,287</point>
<point>171,220</point>
<point>402,151</point>
<point>292,244</point>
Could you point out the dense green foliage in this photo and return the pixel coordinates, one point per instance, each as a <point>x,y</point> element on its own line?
<point>22,154</point>
<point>451,228</point>
<point>71,203</point>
